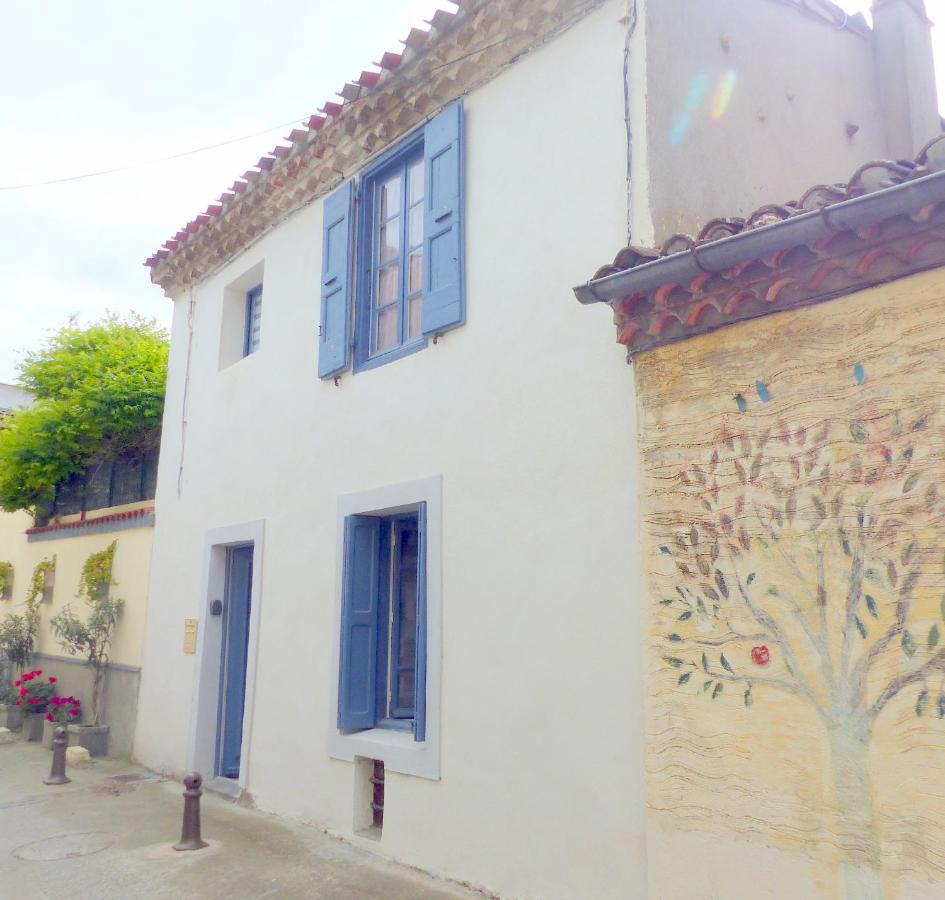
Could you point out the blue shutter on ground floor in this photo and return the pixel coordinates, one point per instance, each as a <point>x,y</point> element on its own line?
<point>357,683</point>
<point>337,246</point>
<point>420,700</point>
<point>443,302</point>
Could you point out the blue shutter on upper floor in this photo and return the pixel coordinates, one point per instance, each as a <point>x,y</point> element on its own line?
<point>337,245</point>
<point>443,301</point>
<point>357,682</point>
<point>420,698</point>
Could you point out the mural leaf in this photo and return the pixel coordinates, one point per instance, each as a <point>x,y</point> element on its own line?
<point>705,686</point>
<point>933,637</point>
<point>860,627</point>
<point>674,638</point>
<point>720,581</point>
<point>726,664</point>
<point>858,373</point>
<point>941,706</point>
<point>910,482</point>
<point>717,689</point>
<point>748,697</point>
<point>684,677</point>
<point>684,616</point>
<point>751,577</point>
<point>921,702</point>
<point>908,645</point>
<point>871,606</point>
<point>674,661</point>
<point>705,663</point>
<point>859,433</point>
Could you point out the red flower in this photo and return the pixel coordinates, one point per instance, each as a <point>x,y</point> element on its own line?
<point>760,655</point>
<point>24,691</point>
<point>50,717</point>
<point>52,680</point>
<point>18,682</point>
<point>38,672</point>
<point>73,712</point>
<point>35,700</point>
<point>17,703</point>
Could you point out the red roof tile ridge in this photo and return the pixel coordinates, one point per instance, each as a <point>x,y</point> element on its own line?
<point>871,176</point>
<point>367,81</point>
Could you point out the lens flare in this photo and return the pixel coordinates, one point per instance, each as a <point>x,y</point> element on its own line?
<point>723,94</point>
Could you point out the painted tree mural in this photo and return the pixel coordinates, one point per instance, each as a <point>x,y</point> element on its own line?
<point>800,552</point>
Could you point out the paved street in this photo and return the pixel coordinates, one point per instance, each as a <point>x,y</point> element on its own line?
<point>108,835</point>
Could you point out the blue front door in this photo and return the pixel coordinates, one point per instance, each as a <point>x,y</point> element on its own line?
<point>236,608</point>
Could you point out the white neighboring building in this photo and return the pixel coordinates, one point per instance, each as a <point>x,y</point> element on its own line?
<point>414,579</point>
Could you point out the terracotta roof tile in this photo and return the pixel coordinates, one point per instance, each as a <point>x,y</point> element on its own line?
<point>841,261</point>
<point>491,15</point>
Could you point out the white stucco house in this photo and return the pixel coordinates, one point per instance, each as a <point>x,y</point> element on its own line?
<point>396,496</point>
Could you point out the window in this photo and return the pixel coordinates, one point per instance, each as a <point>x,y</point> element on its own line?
<point>394,210</point>
<point>253,320</point>
<point>382,681</point>
<point>397,278</point>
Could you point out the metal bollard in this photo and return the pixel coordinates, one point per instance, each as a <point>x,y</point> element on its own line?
<point>57,774</point>
<point>190,831</point>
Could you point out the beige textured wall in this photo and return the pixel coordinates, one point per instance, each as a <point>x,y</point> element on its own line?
<point>795,613</point>
<point>131,570</point>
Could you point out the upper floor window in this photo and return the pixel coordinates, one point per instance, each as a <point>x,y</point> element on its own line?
<point>253,320</point>
<point>397,278</point>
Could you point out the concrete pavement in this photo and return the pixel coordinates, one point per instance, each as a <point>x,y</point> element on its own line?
<point>108,835</point>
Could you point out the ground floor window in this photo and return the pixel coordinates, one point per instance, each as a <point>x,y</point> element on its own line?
<point>382,680</point>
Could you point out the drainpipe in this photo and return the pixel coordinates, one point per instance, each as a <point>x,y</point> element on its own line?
<point>902,52</point>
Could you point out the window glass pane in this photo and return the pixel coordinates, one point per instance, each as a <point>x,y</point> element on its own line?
<point>389,243</point>
<point>415,237</point>
<point>415,181</point>
<point>388,328</point>
<point>390,197</point>
<point>388,284</point>
<point>405,692</point>
<point>415,271</point>
<point>415,316</point>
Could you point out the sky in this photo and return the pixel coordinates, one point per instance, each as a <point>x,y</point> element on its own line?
<point>88,87</point>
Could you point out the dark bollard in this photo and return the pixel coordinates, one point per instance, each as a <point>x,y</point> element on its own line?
<point>57,774</point>
<point>190,832</point>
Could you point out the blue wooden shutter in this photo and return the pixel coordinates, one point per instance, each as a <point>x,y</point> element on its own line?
<point>337,246</point>
<point>420,700</point>
<point>443,304</point>
<point>357,684</point>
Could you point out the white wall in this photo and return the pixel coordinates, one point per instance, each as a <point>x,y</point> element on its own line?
<point>796,84</point>
<point>528,416</point>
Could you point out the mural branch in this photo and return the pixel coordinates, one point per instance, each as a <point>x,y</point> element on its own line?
<point>798,552</point>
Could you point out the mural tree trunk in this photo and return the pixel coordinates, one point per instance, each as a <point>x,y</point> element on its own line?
<point>798,554</point>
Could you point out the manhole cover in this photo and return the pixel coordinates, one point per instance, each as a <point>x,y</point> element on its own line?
<point>66,846</point>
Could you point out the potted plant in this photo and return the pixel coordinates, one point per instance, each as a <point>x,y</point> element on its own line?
<point>11,716</point>
<point>92,639</point>
<point>17,641</point>
<point>60,711</point>
<point>32,699</point>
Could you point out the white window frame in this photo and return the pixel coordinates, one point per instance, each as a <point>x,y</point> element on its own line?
<point>397,749</point>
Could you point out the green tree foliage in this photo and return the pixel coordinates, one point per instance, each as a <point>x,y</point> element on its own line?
<point>99,394</point>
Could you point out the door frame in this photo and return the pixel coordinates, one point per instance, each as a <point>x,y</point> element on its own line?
<point>204,732</point>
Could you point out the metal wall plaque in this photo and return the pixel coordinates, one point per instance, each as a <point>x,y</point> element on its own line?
<point>190,635</point>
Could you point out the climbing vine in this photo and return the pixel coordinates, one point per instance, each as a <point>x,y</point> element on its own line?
<point>38,580</point>
<point>6,578</point>
<point>96,573</point>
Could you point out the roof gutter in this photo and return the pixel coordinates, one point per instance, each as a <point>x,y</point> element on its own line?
<point>806,228</point>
